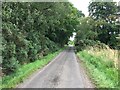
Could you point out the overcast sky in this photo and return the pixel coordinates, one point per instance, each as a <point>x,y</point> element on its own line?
<point>83,5</point>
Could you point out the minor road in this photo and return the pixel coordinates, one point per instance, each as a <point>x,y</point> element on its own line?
<point>63,72</point>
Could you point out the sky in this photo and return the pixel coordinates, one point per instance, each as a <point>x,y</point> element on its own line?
<point>80,5</point>
<point>83,5</point>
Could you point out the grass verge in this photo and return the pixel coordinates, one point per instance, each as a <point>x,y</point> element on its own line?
<point>102,71</point>
<point>26,70</point>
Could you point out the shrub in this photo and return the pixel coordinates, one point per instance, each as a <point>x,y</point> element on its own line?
<point>10,62</point>
<point>85,43</point>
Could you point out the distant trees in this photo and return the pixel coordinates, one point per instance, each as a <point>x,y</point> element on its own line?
<point>32,30</point>
<point>103,10</point>
<point>86,29</point>
<point>104,13</point>
<point>100,25</point>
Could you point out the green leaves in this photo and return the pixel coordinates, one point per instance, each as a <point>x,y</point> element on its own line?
<point>35,29</point>
<point>102,10</point>
<point>100,25</point>
<point>104,14</point>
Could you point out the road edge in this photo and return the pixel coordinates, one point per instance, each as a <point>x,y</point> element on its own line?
<point>85,71</point>
<point>35,73</point>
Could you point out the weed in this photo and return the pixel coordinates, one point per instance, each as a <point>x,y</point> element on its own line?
<point>101,69</point>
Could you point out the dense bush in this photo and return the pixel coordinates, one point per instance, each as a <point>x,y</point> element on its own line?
<point>100,25</point>
<point>83,44</point>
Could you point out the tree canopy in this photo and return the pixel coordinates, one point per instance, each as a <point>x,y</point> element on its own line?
<point>100,25</point>
<point>32,30</point>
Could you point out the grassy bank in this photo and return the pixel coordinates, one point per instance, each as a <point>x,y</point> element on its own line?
<point>26,70</point>
<point>101,66</point>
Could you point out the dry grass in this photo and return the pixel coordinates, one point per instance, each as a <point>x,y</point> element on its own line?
<point>108,53</point>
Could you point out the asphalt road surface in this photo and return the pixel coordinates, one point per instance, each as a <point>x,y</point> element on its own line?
<point>63,72</point>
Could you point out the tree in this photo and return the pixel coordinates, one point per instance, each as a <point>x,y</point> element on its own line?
<point>86,29</point>
<point>32,30</point>
<point>103,14</point>
<point>86,33</point>
<point>103,10</point>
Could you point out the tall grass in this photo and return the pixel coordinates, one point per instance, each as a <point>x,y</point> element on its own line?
<point>26,70</point>
<point>110,54</point>
<point>101,66</point>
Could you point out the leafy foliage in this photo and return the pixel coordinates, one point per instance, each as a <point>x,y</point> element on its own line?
<point>100,25</point>
<point>10,81</point>
<point>97,33</point>
<point>104,14</point>
<point>85,43</point>
<point>32,30</point>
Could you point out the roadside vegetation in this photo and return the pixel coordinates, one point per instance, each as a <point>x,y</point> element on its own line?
<point>25,71</point>
<point>102,64</point>
<point>71,43</point>
<point>97,45</point>
<point>31,34</point>
<point>33,30</point>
